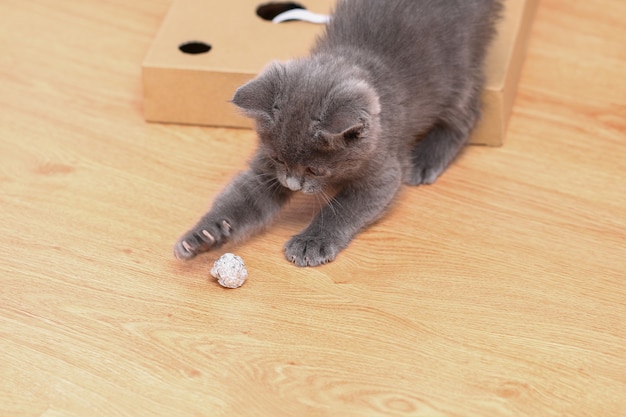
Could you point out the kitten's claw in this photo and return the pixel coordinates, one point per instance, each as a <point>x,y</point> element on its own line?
<point>310,250</point>
<point>204,237</point>
<point>208,235</point>
<point>183,251</point>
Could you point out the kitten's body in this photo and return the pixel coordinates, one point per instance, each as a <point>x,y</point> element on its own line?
<point>388,95</point>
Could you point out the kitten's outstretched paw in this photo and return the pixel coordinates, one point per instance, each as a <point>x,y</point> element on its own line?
<point>305,250</point>
<point>204,237</point>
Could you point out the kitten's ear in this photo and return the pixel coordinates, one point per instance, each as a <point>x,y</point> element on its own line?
<point>256,98</point>
<point>352,106</point>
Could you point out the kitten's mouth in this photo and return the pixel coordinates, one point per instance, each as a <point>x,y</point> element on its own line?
<point>295,186</point>
<point>293,183</point>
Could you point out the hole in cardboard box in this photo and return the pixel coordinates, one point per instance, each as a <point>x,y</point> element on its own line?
<point>195,47</point>
<point>269,11</point>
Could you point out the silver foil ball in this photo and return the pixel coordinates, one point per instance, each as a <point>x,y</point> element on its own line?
<point>230,271</point>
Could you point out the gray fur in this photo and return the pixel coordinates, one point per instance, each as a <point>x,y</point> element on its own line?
<point>388,95</point>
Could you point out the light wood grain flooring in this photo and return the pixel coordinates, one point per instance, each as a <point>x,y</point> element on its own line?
<point>498,291</point>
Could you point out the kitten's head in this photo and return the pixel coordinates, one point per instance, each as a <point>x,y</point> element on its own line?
<point>317,123</point>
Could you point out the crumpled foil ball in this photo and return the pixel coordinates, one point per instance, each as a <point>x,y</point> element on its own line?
<point>230,271</point>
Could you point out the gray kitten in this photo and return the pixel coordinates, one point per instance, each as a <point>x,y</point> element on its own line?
<point>388,95</point>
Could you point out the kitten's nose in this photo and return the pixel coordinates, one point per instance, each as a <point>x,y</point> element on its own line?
<point>294,184</point>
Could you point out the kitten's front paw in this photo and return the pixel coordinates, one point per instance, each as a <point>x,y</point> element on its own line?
<point>202,238</point>
<point>307,250</point>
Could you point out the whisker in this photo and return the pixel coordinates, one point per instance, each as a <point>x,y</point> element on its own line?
<point>329,201</point>
<point>334,205</point>
<point>265,179</point>
<point>321,204</point>
<point>270,183</point>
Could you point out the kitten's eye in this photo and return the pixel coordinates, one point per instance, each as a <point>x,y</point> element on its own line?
<point>314,171</point>
<point>278,160</point>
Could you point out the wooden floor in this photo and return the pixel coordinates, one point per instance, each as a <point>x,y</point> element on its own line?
<point>498,291</point>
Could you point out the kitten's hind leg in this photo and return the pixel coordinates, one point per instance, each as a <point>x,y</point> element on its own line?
<point>432,155</point>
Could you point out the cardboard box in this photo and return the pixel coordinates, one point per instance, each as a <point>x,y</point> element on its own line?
<point>194,88</point>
